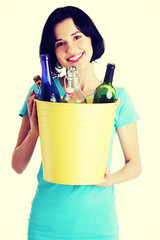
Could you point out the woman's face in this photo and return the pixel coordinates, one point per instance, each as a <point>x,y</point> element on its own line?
<point>72,47</point>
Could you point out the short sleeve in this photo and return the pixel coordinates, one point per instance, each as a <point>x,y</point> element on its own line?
<point>24,109</point>
<point>126,112</point>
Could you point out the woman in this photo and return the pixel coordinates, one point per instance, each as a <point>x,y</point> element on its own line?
<point>67,211</point>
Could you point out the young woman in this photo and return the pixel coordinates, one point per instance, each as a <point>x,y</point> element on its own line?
<point>84,211</point>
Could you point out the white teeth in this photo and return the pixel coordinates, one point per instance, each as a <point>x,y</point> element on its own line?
<point>75,58</point>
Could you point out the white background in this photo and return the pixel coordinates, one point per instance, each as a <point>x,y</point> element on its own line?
<point>131,32</point>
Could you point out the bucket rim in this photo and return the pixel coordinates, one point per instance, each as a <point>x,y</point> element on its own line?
<point>88,103</point>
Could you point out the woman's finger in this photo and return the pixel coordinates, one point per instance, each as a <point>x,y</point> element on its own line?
<point>34,109</point>
<point>31,93</point>
<point>30,102</point>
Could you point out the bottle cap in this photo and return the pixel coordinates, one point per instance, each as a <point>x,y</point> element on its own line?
<point>111,65</point>
<point>37,78</point>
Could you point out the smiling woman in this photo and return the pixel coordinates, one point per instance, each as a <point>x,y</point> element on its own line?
<point>76,211</point>
<point>82,26</point>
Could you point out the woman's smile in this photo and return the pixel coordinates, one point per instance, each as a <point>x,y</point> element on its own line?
<point>75,58</point>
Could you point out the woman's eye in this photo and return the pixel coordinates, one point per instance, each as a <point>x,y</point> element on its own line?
<point>77,37</point>
<point>59,44</point>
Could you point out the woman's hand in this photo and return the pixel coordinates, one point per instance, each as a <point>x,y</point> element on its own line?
<point>32,112</point>
<point>105,183</point>
<point>129,141</point>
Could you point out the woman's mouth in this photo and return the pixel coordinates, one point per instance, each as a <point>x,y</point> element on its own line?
<point>75,58</point>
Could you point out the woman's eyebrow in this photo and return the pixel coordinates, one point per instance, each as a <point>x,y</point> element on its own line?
<point>75,33</point>
<point>57,40</point>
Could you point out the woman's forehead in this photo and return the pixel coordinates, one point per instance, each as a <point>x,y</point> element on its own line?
<point>65,28</point>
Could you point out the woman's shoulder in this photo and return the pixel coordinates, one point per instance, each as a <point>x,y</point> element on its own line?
<point>123,95</point>
<point>126,112</point>
<point>121,92</point>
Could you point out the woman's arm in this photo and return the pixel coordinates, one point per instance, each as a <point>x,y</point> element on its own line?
<point>27,137</point>
<point>129,142</point>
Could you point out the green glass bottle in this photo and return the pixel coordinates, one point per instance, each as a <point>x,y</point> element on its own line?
<point>106,93</point>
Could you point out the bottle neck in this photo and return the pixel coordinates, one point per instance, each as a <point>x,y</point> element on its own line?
<point>109,77</point>
<point>109,74</point>
<point>46,69</point>
<point>72,84</point>
<point>76,83</point>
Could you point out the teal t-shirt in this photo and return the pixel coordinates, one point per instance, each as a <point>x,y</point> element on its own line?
<point>61,212</point>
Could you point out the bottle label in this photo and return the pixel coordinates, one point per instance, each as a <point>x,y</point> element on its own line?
<point>109,94</point>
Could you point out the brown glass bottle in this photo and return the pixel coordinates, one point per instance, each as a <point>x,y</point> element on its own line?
<point>37,80</point>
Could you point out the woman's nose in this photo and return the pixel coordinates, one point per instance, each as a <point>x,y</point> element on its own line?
<point>70,48</point>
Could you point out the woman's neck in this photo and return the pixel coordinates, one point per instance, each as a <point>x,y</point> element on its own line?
<point>89,80</point>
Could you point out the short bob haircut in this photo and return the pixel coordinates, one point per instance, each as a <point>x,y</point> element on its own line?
<point>82,21</point>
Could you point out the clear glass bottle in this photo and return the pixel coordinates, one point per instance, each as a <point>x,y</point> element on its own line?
<point>72,86</point>
<point>106,93</point>
<point>48,90</point>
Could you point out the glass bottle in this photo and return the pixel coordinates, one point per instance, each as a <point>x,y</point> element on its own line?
<point>106,93</point>
<point>48,90</point>
<point>37,80</point>
<point>72,86</point>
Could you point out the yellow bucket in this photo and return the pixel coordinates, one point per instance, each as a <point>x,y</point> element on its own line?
<point>75,140</point>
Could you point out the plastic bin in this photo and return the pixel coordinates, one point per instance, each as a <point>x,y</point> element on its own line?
<point>75,140</point>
